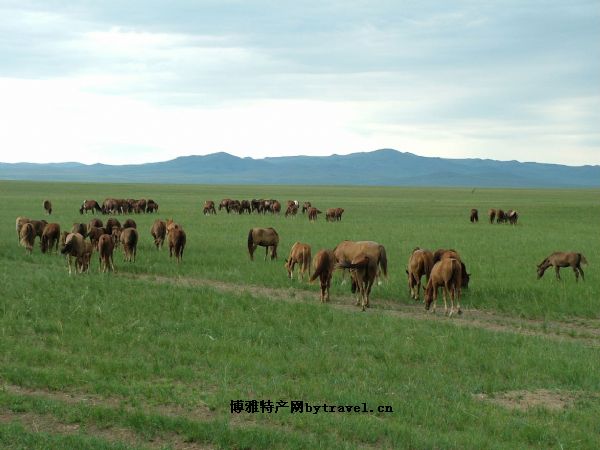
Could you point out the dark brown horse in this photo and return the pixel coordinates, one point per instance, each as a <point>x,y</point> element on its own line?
<point>501,216</point>
<point>420,263</point>
<point>79,228</point>
<point>312,214</point>
<point>209,208</point>
<point>513,216</point>
<point>151,206</point>
<point>492,215</point>
<point>112,223</point>
<point>264,237</point>
<point>50,237</point>
<point>89,205</point>
<point>47,206</point>
<point>129,239</point>
<point>563,259</point>
<point>291,210</point>
<point>105,251</point>
<point>158,232</point>
<point>94,234</point>
<point>474,216</point>
<point>129,223</point>
<point>94,223</point>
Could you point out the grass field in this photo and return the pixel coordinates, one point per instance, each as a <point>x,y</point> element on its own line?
<point>153,355</point>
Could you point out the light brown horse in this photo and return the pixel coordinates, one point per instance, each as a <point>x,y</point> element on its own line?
<point>447,274</point>
<point>324,264</point>
<point>129,239</point>
<point>264,237</point>
<point>563,259</point>
<point>27,236</point>
<point>19,224</point>
<point>171,226</point>
<point>158,232</point>
<point>74,248</point>
<point>89,205</point>
<point>306,206</point>
<point>105,252</point>
<point>474,218</point>
<point>363,270</point>
<point>47,206</point>
<point>50,237</point>
<point>83,262</point>
<point>177,241</point>
<point>420,263</point>
<point>38,227</point>
<point>299,254</point>
<point>492,215</point>
<point>442,253</point>
<point>348,250</point>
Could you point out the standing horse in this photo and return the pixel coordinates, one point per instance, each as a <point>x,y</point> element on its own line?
<point>177,240</point>
<point>447,274</point>
<point>299,254</point>
<point>158,232</point>
<point>264,237</point>
<point>312,214</point>
<point>492,215</point>
<point>324,264</point>
<point>563,259</point>
<point>47,206</point>
<point>74,248</point>
<point>209,208</point>
<point>27,236</point>
<point>420,263</point>
<point>129,239</point>
<point>474,216</point>
<point>19,224</point>
<point>105,251</point>
<point>50,237</point>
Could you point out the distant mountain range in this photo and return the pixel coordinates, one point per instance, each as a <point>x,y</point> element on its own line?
<point>381,167</point>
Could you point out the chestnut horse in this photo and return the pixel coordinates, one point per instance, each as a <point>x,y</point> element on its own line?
<point>563,259</point>
<point>299,254</point>
<point>177,240</point>
<point>47,206</point>
<point>158,232</point>
<point>74,248</point>
<point>324,264</point>
<point>129,239</point>
<point>264,237</point>
<point>27,236</point>
<point>105,251</point>
<point>447,274</point>
<point>420,263</point>
<point>50,237</point>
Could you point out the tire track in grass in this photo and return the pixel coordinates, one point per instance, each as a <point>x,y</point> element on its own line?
<point>581,330</point>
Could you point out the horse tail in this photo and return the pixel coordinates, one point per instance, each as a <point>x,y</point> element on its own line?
<point>250,241</point>
<point>583,260</point>
<point>383,259</point>
<point>319,268</point>
<point>456,269</point>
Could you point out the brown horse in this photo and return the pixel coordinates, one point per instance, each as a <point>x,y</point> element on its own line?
<point>264,237</point>
<point>129,223</point>
<point>474,216</point>
<point>27,236</point>
<point>209,208</point>
<point>79,228</point>
<point>38,227</point>
<point>151,206</point>
<point>363,270</point>
<point>129,239</point>
<point>158,232</point>
<point>442,253</point>
<point>420,263</point>
<point>47,206</point>
<point>348,250</point>
<point>447,274</point>
<point>563,259</point>
<point>74,248</point>
<point>334,214</point>
<point>492,215</point>
<point>501,216</point>
<point>306,206</point>
<point>291,210</point>
<point>177,241</point>
<point>50,237</point>
<point>312,213</point>
<point>19,224</point>
<point>83,262</point>
<point>112,223</point>
<point>324,264</point>
<point>94,223</point>
<point>94,234</point>
<point>89,205</point>
<point>299,254</point>
<point>513,216</point>
<point>105,251</point>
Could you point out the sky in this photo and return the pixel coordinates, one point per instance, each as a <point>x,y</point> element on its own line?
<point>122,82</point>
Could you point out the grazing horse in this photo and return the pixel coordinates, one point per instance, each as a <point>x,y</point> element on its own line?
<point>291,210</point>
<point>324,264</point>
<point>27,236</point>
<point>209,208</point>
<point>501,216</point>
<point>275,207</point>
<point>19,224</point>
<point>105,251</point>
<point>94,234</point>
<point>129,239</point>
<point>38,227</point>
<point>312,214</point>
<point>492,215</point>
<point>158,232</point>
<point>79,228</point>
<point>177,240</point>
<point>306,206</point>
<point>513,216</point>
<point>299,254</point>
<point>474,216</point>
<point>94,223</point>
<point>224,204</point>
<point>151,206</point>
<point>442,253</point>
<point>447,274</point>
<point>129,223</point>
<point>89,205</point>
<point>330,215</point>
<point>264,237</point>
<point>47,206</point>
<point>112,223</point>
<point>420,263</point>
<point>50,237</point>
<point>245,207</point>
<point>83,262</point>
<point>366,258</point>
<point>74,248</point>
<point>563,259</point>
<point>171,226</point>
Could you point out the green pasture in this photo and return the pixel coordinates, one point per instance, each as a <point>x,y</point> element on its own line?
<point>145,352</point>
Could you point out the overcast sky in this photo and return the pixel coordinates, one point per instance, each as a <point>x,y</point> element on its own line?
<point>137,81</point>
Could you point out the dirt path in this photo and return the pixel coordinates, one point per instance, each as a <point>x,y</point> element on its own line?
<point>581,330</point>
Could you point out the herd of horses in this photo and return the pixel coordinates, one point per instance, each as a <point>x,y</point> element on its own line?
<point>365,260</point>
<point>272,206</point>
<point>498,215</point>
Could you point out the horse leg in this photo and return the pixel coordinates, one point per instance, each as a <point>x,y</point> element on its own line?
<point>418,289</point>
<point>266,252</point>
<point>576,273</point>
<point>581,272</point>
<point>452,293</point>
<point>445,293</point>
<point>557,269</point>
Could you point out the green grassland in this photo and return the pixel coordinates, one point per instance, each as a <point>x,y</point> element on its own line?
<point>151,356</point>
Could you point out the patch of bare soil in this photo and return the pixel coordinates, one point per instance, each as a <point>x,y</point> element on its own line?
<point>585,331</point>
<point>525,400</point>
